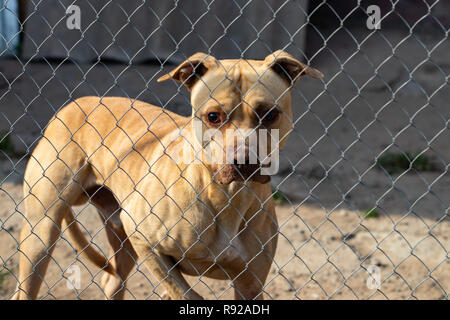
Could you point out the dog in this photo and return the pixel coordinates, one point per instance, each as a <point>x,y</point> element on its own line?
<point>197,218</point>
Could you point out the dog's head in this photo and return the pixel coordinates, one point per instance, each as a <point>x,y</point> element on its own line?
<point>241,110</point>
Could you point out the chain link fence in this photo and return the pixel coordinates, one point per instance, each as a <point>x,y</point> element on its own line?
<point>361,194</point>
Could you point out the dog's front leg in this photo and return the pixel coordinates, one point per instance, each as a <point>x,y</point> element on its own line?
<point>249,285</point>
<point>260,241</point>
<point>163,269</point>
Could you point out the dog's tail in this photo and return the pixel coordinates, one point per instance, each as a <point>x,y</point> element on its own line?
<point>83,246</point>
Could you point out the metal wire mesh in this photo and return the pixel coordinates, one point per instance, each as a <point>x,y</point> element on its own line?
<point>361,196</point>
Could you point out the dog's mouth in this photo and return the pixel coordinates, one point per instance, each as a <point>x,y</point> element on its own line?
<point>228,173</point>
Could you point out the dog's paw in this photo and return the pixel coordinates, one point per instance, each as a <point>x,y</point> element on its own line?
<point>165,296</point>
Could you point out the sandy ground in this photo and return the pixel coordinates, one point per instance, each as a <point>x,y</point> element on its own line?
<point>321,255</point>
<point>389,93</point>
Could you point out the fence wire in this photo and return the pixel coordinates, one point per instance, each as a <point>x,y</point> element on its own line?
<point>357,210</point>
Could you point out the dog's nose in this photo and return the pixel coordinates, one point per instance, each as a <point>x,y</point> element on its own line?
<point>242,155</point>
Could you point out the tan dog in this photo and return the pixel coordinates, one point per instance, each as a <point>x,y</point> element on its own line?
<point>214,220</point>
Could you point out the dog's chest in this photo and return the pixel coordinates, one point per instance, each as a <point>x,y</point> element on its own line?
<point>222,251</point>
<point>191,222</point>
<point>219,239</point>
<point>212,232</point>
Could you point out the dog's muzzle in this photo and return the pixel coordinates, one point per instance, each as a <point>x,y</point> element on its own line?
<point>228,173</point>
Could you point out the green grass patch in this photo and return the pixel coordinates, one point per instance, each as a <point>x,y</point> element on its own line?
<point>400,162</point>
<point>278,197</point>
<point>371,213</point>
<point>6,144</point>
<point>3,275</point>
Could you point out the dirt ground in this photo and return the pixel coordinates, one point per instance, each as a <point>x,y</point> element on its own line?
<point>390,93</point>
<point>321,255</point>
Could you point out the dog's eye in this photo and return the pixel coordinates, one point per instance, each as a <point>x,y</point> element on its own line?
<point>270,115</point>
<point>214,117</point>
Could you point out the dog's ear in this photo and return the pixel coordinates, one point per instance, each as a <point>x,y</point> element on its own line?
<point>192,69</point>
<point>289,68</point>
